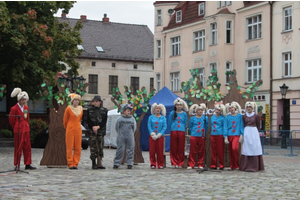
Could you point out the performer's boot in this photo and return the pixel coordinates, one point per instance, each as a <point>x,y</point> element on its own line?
<point>99,165</point>
<point>94,165</point>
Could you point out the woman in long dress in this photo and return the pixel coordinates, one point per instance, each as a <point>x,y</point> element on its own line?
<point>251,159</point>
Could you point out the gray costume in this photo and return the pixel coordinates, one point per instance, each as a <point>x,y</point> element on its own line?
<point>125,127</point>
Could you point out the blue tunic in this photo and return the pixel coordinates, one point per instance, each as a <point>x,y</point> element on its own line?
<point>235,125</point>
<point>157,124</point>
<point>197,126</point>
<point>218,125</point>
<point>178,124</point>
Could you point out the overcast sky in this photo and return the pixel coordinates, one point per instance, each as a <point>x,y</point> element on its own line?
<point>129,12</point>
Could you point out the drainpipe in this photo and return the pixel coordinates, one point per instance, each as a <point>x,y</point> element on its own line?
<point>271,61</point>
<point>165,55</point>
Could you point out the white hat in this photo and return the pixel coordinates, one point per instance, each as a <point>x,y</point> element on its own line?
<point>74,96</point>
<point>221,108</point>
<point>251,104</point>
<point>195,107</point>
<point>20,94</point>
<point>182,102</point>
<point>163,108</point>
<point>233,105</point>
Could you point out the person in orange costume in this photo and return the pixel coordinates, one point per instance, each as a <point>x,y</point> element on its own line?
<point>72,123</point>
<point>19,120</point>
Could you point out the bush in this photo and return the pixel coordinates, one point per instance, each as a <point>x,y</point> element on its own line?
<point>37,126</point>
<point>6,133</point>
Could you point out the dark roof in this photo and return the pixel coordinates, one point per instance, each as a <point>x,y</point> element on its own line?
<point>127,42</point>
<point>224,11</point>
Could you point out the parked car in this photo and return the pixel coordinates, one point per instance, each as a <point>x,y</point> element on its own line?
<point>42,139</point>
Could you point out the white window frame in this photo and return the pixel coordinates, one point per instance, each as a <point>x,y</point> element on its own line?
<point>175,46</point>
<point>201,8</point>
<point>287,64</point>
<point>158,48</point>
<point>158,18</point>
<point>230,30</point>
<point>219,4</point>
<point>158,81</point>
<point>255,28</point>
<point>287,18</point>
<point>228,3</point>
<point>175,81</point>
<point>213,66</point>
<point>213,33</point>
<point>256,70</point>
<point>199,40</point>
<point>178,16</point>
<point>228,67</point>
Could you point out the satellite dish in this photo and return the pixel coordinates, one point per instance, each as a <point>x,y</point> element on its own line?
<point>170,11</point>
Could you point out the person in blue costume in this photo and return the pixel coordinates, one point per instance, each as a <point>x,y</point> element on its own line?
<point>218,128</point>
<point>177,123</point>
<point>198,126</point>
<point>157,125</point>
<point>234,133</point>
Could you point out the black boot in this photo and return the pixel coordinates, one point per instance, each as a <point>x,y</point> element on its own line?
<point>94,165</point>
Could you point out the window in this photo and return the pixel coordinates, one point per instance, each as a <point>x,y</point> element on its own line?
<point>158,82</point>
<point>113,83</point>
<point>228,32</point>
<point>202,76</point>
<point>213,66</point>
<point>159,18</point>
<point>254,27</point>
<point>80,47</point>
<point>219,4</point>
<point>93,64</point>
<point>99,49</point>
<point>253,70</point>
<point>135,66</point>
<point>199,40</point>
<point>175,46</point>
<point>287,64</point>
<point>175,81</point>
<point>228,69</point>
<point>223,3</point>
<point>178,16</point>
<point>38,106</point>
<point>151,83</point>
<point>135,83</point>
<point>113,64</point>
<point>201,9</point>
<point>93,84</point>
<point>158,44</point>
<point>213,29</point>
<point>287,18</point>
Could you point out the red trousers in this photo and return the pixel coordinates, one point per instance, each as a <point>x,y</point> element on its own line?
<point>156,154</point>
<point>197,146</point>
<point>177,145</point>
<point>22,144</point>
<point>217,151</point>
<point>233,148</point>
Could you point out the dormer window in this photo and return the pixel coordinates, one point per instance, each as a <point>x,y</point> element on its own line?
<point>100,49</point>
<point>201,9</point>
<point>80,47</point>
<point>178,16</point>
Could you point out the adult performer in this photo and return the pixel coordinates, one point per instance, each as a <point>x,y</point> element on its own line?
<point>19,120</point>
<point>251,159</point>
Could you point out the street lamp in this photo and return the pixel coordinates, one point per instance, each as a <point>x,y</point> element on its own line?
<point>283,90</point>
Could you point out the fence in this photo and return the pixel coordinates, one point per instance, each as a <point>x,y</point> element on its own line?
<point>284,139</point>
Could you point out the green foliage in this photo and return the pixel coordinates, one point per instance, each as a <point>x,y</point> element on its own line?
<point>6,133</point>
<point>34,44</point>
<point>2,91</point>
<point>37,126</point>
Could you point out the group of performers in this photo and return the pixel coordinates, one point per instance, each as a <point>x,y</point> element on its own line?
<point>228,127</point>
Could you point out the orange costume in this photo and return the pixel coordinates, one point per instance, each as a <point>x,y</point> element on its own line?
<point>72,124</point>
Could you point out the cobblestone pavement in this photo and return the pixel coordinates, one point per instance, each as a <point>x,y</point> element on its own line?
<point>280,180</point>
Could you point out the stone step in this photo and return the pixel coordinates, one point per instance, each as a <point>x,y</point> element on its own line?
<point>6,142</point>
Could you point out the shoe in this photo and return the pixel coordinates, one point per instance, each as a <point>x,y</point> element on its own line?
<point>94,165</point>
<point>179,167</point>
<point>16,168</point>
<point>75,168</point>
<point>101,167</point>
<point>200,168</point>
<point>189,168</point>
<point>129,166</point>
<point>161,167</point>
<point>152,167</point>
<point>213,168</point>
<point>71,167</point>
<point>175,166</point>
<point>221,168</point>
<point>237,169</point>
<point>29,167</point>
<point>115,167</point>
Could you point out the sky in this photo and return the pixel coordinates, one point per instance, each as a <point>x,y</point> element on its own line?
<point>128,12</point>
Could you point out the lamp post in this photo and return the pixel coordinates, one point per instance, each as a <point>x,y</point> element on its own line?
<point>283,90</point>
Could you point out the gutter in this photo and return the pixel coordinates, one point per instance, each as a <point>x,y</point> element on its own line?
<point>271,61</point>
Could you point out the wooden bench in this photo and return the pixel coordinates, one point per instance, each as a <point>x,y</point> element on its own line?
<point>186,151</point>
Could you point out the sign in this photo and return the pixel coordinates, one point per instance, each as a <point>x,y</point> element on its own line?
<point>267,117</point>
<point>293,102</point>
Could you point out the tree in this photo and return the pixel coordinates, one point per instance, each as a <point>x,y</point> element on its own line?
<point>57,100</point>
<point>33,44</point>
<point>140,100</point>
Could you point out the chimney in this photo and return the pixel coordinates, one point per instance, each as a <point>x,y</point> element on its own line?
<point>83,18</point>
<point>105,19</point>
<point>64,15</point>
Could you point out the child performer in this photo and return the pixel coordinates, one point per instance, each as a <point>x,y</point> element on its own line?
<point>218,128</point>
<point>125,127</point>
<point>157,125</point>
<point>177,124</point>
<point>234,133</point>
<point>198,125</point>
<point>251,159</point>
